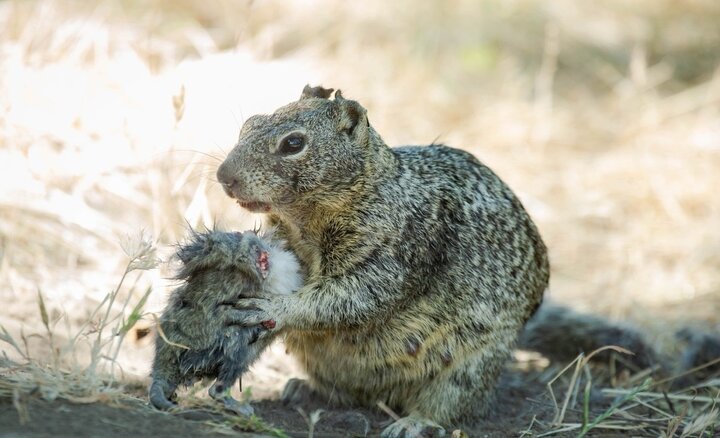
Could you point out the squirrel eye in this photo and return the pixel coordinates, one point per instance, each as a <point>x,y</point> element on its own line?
<point>292,144</point>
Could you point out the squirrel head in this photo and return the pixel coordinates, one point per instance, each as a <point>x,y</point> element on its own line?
<point>314,148</point>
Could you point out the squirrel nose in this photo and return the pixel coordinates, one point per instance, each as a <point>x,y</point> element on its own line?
<point>226,178</point>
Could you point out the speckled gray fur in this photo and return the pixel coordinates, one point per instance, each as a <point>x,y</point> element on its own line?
<point>217,269</point>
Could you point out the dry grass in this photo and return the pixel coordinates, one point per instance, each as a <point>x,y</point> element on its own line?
<point>605,117</point>
<point>81,367</point>
<point>639,406</point>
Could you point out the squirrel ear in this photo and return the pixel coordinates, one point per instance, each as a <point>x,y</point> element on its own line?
<point>352,114</point>
<point>315,92</point>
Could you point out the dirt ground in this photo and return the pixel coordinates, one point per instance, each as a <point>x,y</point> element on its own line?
<point>521,396</point>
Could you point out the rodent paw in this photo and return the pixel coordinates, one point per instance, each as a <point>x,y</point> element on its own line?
<point>238,407</point>
<point>162,395</point>
<point>413,427</point>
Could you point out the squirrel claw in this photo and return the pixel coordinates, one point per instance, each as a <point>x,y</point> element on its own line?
<point>246,318</point>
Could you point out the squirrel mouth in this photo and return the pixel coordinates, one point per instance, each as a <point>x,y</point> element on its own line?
<point>254,206</point>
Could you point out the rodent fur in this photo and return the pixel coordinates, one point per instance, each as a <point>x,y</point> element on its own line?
<point>217,269</point>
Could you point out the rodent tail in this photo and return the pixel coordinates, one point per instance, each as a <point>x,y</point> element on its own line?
<point>560,334</point>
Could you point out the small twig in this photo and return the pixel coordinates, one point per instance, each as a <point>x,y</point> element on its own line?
<point>412,429</point>
<point>5,337</point>
<point>669,403</point>
<point>557,418</point>
<point>693,398</point>
<point>20,407</point>
<point>690,371</point>
<point>629,395</point>
<point>311,419</point>
<point>674,423</point>
<point>528,430</point>
<point>385,408</point>
<point>162,334</point>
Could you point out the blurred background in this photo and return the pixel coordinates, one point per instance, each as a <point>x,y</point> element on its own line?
<point>603,116</point>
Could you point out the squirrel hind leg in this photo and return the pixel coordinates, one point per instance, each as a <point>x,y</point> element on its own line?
<point>161,393</point>
<point>299,392</point>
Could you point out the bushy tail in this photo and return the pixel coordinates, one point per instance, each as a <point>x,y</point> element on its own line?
<point>560,334</point>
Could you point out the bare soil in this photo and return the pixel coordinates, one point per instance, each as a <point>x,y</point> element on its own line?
<point>521,396</point>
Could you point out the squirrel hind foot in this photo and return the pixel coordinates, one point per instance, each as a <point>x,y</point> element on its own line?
<point>411,426</point>
<point>237,407</point>
<point>298,392</point>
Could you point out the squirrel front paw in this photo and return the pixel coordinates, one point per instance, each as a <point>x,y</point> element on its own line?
<point>249,312</point>
<point>248,315</point>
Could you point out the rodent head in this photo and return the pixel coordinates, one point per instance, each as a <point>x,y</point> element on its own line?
<point>244,253</point>
<point>313,148</point>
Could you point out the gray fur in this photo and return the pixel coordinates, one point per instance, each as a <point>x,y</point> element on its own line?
<point>217,269</point>
<point>560,334</point>
<point>703,351</point>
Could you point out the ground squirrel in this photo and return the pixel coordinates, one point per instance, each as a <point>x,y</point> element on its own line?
<point>217,268</point>
<point>423,266</point>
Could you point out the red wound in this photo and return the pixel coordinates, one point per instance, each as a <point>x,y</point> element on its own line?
<point>269,324</point>
<point>263,263</point>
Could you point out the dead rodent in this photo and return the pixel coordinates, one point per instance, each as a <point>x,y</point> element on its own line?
<point>217,269</point>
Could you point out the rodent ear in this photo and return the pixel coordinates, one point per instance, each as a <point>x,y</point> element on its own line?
<point>315,92</point>
<point>352,116</point>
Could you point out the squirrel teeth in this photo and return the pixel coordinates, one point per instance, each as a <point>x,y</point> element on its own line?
<point>255,206</point>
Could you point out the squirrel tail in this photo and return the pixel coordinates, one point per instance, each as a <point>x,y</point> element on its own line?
<point>561,334</point>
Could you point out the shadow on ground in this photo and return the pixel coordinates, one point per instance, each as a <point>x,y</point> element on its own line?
<point>521,396</point>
